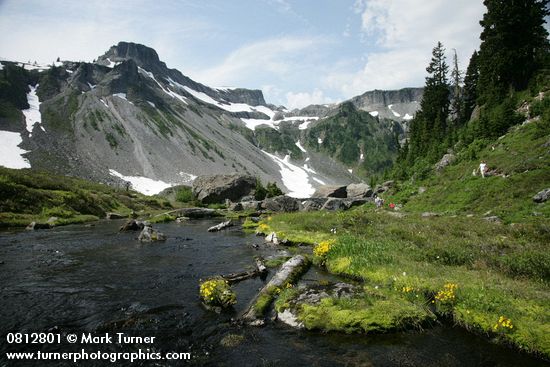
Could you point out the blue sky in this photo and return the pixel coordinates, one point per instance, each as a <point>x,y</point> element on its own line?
<point>297,52</point>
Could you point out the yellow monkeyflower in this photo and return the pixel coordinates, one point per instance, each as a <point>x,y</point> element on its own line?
<point>323,248</point>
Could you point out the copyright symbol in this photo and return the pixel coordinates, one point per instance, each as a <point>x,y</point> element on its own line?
<point>72,338</point>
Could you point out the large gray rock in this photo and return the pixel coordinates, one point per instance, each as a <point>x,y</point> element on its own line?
<point>359,190</point>
<point>446,160</point>
<point>542,196</point>
<point>330,191</point>
<point>281,203</point>
<point>148,234</point>
<point>194,213</point>
<point>313,204</point>
<point>333,204</point>
<point>218,188</point>
<point>350,203</point>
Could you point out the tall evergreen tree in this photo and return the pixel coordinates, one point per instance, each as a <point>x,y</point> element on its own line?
<point>456,103</point>
<point>470,88</point>
<point>513,40</point>
<point>430,122</point>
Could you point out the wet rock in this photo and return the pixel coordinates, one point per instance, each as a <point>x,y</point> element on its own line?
<point>194,213</point>
<point>115,216</point>
<point>148,234</point>
<point>360,190</point>
<point>218,188</point>
<point>132,225</point>
<point>542,196</point>
<point>35,225</point>
<point>281,203</point>
<point>272,237</point>
<point>330,191</point>
<point>231,340</point>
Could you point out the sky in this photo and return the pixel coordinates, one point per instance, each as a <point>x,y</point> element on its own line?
<point>297,52</point>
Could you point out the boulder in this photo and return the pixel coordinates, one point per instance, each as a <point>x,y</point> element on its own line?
<point>542,196</point>
<point>115,216</point>
<point>251,205</point>
<point>218,188</point>
<point>34,225</point>
<point>194,213</point>
<point>281,203</point>
<point>330,191</point>
<point>350,203</point>
<point>148,234</point>
<point>446,160</point>
<point>313,204</point>
<point>235,207</point>
<point>272,237</point>
<point>384,187</point>
<point>333,204</point>
<point>360,190</point>
<point>52,220</point>
<point>132,225</point>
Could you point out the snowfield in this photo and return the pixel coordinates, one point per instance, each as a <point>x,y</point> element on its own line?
<point>144,185</point>
<point>295,179</point>
<point>32,114</point>
<point>11,156</point>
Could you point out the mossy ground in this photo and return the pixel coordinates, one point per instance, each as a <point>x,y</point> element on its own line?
<point>500,270</point>
<point>28,195</point>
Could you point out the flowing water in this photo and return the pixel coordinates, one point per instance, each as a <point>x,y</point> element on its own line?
<point>92,279</point>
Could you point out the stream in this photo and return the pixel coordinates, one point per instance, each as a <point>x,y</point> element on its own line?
<point>93,279</point>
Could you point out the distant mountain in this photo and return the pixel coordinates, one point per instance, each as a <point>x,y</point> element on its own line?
<point>127,116</point>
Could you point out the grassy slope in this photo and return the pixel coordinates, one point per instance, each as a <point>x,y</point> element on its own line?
<point>27,195</point>
<point>522,156</point>
<point>501,270</point>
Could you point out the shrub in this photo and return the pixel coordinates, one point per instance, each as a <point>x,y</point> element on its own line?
<point>184,195</point>
<point>216,292</point>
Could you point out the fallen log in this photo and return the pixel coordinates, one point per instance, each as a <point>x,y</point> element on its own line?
<point>219,227</point>
<point>288,273</point>
<point>259,270</point>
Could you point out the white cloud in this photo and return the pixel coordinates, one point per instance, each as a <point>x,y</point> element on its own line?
<point>401,34</point>
<point>275,57</point>
<point>302,99</point>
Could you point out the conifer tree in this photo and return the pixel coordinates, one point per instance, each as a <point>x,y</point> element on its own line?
<point>456,103</point>
<point>513,40</point>
<point>430,122</point>
<point>470,88</point>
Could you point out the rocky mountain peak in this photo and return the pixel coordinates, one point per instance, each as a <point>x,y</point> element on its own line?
<point>142,55</point>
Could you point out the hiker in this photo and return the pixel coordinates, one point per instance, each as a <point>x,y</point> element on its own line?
<point>392,206</point>
<point>483,168</point>
<point>378,201</point>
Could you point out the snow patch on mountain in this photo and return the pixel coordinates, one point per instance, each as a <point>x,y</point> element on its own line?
<point>300,146</point>
<point>165,90</point>
<point>144,185</point>
<point>32,114</point>
<point>295,179</point>
<point>407,117</point>
<point>373,113</point>
<point>11,156</point>
<point>392,111</point>
<point>122,96</point>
